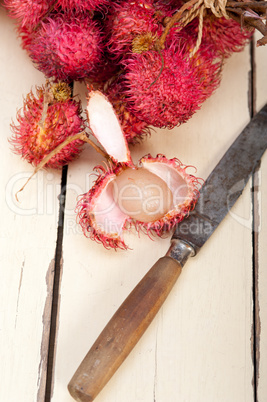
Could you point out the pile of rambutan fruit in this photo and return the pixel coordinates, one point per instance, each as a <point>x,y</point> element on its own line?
<point>135,80</point>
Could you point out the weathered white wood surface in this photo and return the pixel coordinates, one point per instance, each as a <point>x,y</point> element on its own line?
<point>28,239</point>
<point>199,348</point>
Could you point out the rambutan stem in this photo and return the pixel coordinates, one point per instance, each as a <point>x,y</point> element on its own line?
<point>254,5</point>
<point>46,15</point>
<point>237,15</point>
<point>231,8</point>
<point>96,147</point>
<point>48,98</point>
<point>161,69</point>
<point>80,136</point>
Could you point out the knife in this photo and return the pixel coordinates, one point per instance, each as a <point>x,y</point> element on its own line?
<point>221,190</point>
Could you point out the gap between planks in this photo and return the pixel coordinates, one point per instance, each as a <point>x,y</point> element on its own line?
<point>256,331</point>
<point>256,327</point>
<point>56,291</point>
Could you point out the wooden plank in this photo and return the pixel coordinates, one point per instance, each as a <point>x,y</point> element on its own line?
<point>28,239</point>
<point>198,348</point>
<point>261,235</point>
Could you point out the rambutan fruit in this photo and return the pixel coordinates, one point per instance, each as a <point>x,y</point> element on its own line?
<point>166,88</point>
<point>26,35</point>
<point>65,46</point>
<point>134,129</point>
<point>125,21</point>
<point>106,72</point>
<point>28,13</point>
<point>153,197</point>
<point>44,122</point>
<point>226,36</point>
<point>82,5</point>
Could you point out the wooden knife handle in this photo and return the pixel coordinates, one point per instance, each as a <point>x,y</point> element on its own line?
<point>124,330</point>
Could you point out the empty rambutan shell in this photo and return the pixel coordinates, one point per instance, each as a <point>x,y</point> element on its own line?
<point>65,46</point>
<point>33,138</point>
<point>153,197</point>
<point>106,127</point>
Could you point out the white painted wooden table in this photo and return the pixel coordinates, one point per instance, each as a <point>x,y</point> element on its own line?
<point>201,346</point>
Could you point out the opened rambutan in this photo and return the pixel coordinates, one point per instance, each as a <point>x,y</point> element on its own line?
<point>127,20</point>
<point>66,47</point>
<point>45,121</point>
<point>153,197</point>
<point>166,88</point>
<point>28,13</point>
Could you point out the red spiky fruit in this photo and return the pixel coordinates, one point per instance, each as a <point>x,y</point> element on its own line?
<point>127,20</point>
<point>225,35</point>
<point>82,5</point>
<point>28,13</point>
<point>43,126</point>
<point>65,46</point>
<point>153,197</point>
<point>165,89</point>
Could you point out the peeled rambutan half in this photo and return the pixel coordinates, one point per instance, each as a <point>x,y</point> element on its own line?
<point>65,46</point>
<point>153,197</point>
<point>43,126</point>
<point>165,89</point>
<point>28,13</point>
<point>125,21</point>
<point>106,127</point>
<point>135,129</point>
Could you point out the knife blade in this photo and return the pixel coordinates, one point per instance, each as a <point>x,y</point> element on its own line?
<point>224,185</point>
<point>221,190</point>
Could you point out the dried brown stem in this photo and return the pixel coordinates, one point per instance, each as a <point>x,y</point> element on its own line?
<point>262,41</point>
<point>45,15</point>
<point>254,22</point>
<point>159,45</point>
<point>233,8</point>
<point>48,99</point>
<point>161,69</point>
<point>80,136</point>
<point>254,5</point>
<point>237,15</point>
<point>96,147</point>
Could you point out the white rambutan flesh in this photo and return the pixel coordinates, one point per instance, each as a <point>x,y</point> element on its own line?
<point>168,174</point>
<point>106,127</point>
<point>106,214</point>
<point>142,195</point>
<point>153,197</point>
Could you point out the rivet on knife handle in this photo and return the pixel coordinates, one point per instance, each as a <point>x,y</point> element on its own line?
<point>124,330</point>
